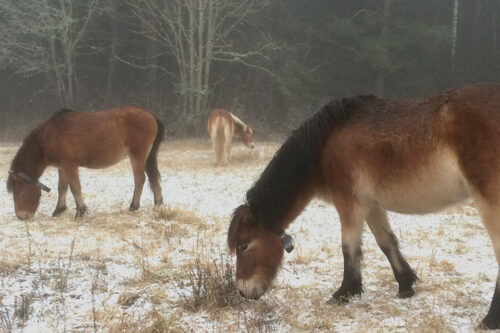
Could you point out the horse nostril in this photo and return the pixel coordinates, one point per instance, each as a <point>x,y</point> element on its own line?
<point>252,146</point>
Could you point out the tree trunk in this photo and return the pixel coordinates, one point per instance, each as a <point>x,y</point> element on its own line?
<point>454,37</point>
<point>110,78</point>
<point>386,13</point>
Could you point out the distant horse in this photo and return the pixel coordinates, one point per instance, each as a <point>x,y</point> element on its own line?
<point>222,125</point>
<point>368,156</point>
<point>94,140</point>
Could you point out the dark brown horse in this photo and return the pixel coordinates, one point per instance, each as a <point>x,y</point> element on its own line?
<point>368,156</point>
<point>94,140</point>
<point>222,125</point>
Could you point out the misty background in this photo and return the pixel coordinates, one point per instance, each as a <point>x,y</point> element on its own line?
<point>271,62</point>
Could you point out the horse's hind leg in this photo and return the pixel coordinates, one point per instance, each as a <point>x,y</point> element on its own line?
<point>351,221</point>
<point>73,178</point>
<point>62,190</point>
<point>490,214</point>
<point>379,225</point>
<point>138,167</point>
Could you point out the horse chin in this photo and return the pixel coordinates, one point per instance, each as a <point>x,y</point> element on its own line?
<point>252,288</point>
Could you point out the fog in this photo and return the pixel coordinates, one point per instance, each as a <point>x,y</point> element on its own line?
<point>270,62</point>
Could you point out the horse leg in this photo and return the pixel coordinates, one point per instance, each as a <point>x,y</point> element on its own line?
<point>62,189</point>
<point>218,155</point>
<point>379,225</point>
<point>351,223</point>
<point>138,167</point>
<point>228,154</point>
<point>490,214</point>
<point>73,178</point>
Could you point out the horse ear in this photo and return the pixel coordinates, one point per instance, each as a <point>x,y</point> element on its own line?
<point>241,216</point>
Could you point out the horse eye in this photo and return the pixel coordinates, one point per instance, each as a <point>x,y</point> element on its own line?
<point>243,247</point>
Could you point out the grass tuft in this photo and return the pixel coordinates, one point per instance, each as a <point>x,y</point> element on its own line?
<point>210,286</point>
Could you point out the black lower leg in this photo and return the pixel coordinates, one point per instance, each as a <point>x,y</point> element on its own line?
<point>80,211</point>
<point>58,210</point>
<point>351,284</point>
<point>403,273</point>
<point>492,319</point>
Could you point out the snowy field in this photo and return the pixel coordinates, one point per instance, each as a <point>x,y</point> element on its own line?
<point>167,270</point>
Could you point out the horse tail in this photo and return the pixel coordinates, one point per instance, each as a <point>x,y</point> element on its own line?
<point>152,161</point>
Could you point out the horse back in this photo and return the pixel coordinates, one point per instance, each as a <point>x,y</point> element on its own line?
<point>416,155</point>
<point>100,138</point>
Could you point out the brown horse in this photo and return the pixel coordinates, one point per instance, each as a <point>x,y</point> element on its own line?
<point>368,156</point>
<point>94,140</point>
<point>222,125</point>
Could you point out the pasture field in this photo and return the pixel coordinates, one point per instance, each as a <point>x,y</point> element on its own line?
<point>168,270</point>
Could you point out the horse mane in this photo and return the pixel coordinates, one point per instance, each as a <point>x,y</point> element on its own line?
<point>239,124</point>
<point>31,149</point>
<point>293,166</point>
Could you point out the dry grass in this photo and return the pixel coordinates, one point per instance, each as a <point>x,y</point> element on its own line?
<point>167,269</point>
<point>208,285</point>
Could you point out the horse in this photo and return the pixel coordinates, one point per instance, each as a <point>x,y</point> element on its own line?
<point>222,125</point>
<point>95,140</point>
<point>367,156</point>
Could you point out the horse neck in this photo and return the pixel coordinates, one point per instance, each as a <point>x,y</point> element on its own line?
<point>239,126</point>
<point>288,209</point>
<point>30,159</point>
<point>301,201</point>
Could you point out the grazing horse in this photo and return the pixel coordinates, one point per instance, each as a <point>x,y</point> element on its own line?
<point>222,125</point>
<point>367,156</point>
<point>94,140</point>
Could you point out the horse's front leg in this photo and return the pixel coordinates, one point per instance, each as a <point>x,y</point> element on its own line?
<point>351,221</point>
<point>73,178</point>
<point>62,190</point>
<point>379,225</point>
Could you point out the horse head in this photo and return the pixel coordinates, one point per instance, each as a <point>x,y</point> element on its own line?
<point>26,192</point>
<point>247,137</point>
<point>259,251</point>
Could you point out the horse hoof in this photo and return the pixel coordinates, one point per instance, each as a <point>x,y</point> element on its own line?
<point>80,212</point>
<point>338,300</point>
<point>406,293</point>
<point>133,207</point>
<point>58,211</point>
<point>342,295</point>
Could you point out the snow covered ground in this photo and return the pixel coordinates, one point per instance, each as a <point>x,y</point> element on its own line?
<point>146,271</point>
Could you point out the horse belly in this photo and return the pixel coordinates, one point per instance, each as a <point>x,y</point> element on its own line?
<point>428,189</point>
<point>104,156</point>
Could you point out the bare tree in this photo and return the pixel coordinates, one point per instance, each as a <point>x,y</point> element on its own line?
<point>43,36</point>
<point>197,33</point>
<point>454,36</point>
<point>386,15</point>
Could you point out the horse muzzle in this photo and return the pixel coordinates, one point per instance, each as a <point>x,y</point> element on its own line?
<point>23,215</point>
<point>251,288</point>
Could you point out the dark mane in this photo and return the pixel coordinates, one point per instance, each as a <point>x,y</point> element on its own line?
<point>295,163</point>
<point>30,151</point>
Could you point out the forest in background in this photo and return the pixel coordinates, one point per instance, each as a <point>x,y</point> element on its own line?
<point>272,62</point>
